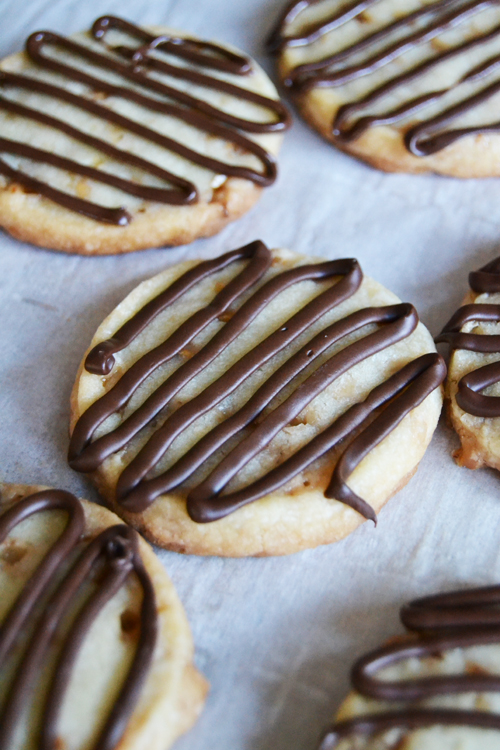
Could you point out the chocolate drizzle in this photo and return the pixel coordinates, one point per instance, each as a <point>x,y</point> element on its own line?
<point>380,48</point>
<point>365,424</point>
<point>113,555</point>
<point>468,396</point>
<point>459,619</point>
<point>135,65</point>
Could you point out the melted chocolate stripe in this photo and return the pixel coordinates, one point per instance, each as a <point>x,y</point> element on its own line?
<point>486,280</point>
<point>185,415</point>
<point>107,215</point>
<point>398,48</point>
<point>421,140</point>
<point>347,111</point>
<point>100,360</point>
<point>365,681</point>
<point>195,112</point>
<point>473,342</point>
<point>473,402</point>
<point>54,612</point>
<point>40,580</point>
<point>422,376</point>
<point>152,63</point>
<point>277,41</point>
<point>186,194</point>
<point>121,547</point>
<point>101,354</point>
<point>428,137</point>
<point>388,54</point>
<point>200,112</point>
<point>160,195</point>
<point>117,549</point>
<point>372,724</point>
<point>459,619</point>
<point>192,50</point>
<point>455,609</point>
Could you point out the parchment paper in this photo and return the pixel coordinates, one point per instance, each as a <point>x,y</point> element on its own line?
<point>275,637</point>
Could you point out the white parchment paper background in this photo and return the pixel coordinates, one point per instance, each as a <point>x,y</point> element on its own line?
<point>275,637</point>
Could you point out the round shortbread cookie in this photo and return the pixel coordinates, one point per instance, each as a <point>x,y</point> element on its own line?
<point>95,648</point>
<point>406,85</point>
<point>123,138</point>
<point>224,404</point>
<point>473,382</point>
<point>436,689</point>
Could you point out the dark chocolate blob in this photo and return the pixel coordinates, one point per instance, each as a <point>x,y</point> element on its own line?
<point>242,435</point>
<point>113,555</point>
<point>381,47</point>
<point>134,65</point>
<point>458,619</point>
<point>469,397</point>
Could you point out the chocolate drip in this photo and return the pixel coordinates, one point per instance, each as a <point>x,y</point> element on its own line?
<point>484,281</point>
<point>140,483</point>
<point>114,555</point>
<point>134,70</point>
<point>432,134</point>
<point>459,619</point>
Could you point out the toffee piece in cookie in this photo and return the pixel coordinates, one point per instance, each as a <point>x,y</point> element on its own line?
<point>406,85</point>
<point>437,688</point>
<point>95,648</point>
<point>255,404</point>
<point>473,383</point>
<point>123,138</point>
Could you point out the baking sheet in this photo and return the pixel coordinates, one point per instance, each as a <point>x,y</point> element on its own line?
<point>275,637</point>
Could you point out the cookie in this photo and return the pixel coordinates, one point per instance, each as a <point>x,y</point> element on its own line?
<point>255,404</point>
<point>95,647</point>
<point>435,689</point>
<point>123,138</point>
<point>406,85</point>
<point>472,386</point>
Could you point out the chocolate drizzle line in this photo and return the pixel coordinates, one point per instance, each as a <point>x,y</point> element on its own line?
<point>459,619</point>
<point>115,554</point>
<point>468,396</point>
<point>133,65</point>
<point>432,134</point>
<point>140,483</point>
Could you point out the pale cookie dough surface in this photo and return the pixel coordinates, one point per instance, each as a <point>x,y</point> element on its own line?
<point>476,154</point>
<point>173,692</point>
<point>479,659</point>
<point>297,515</point>
<point>479,436</point>
<point>31,217</point>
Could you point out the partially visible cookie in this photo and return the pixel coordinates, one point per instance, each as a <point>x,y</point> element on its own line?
<point>437,688</point>
<point>95,648</point>
<point>406,85</point>
<point>124,138</point>
<point>255,404</point>
<point>473,383</point>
